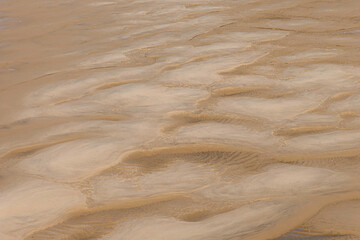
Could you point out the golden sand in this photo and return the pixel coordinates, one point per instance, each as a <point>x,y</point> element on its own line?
<point>179,120</point>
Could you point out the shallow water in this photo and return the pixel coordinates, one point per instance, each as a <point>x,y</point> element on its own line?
<point>127,120</point>
<point>355,31</point>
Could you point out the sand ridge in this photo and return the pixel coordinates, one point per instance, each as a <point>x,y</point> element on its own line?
<point>177,120</point>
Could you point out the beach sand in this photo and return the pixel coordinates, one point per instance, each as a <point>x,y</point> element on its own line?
<point>179,120</point>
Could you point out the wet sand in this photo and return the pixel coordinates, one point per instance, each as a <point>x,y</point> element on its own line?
<point>177,120</point>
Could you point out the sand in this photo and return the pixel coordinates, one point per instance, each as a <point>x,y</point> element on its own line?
<point>179,120</point>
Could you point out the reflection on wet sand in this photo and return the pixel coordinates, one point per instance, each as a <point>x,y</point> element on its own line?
<point>127,120</point>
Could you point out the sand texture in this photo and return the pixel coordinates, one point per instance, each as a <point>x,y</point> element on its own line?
<point>180,120</point>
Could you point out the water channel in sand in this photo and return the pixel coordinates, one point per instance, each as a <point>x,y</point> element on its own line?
<point>179,120</point>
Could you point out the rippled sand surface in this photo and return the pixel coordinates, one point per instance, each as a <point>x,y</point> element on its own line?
<point>179,120</point>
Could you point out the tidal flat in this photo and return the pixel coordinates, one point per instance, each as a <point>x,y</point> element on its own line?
<point>180,120</point>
